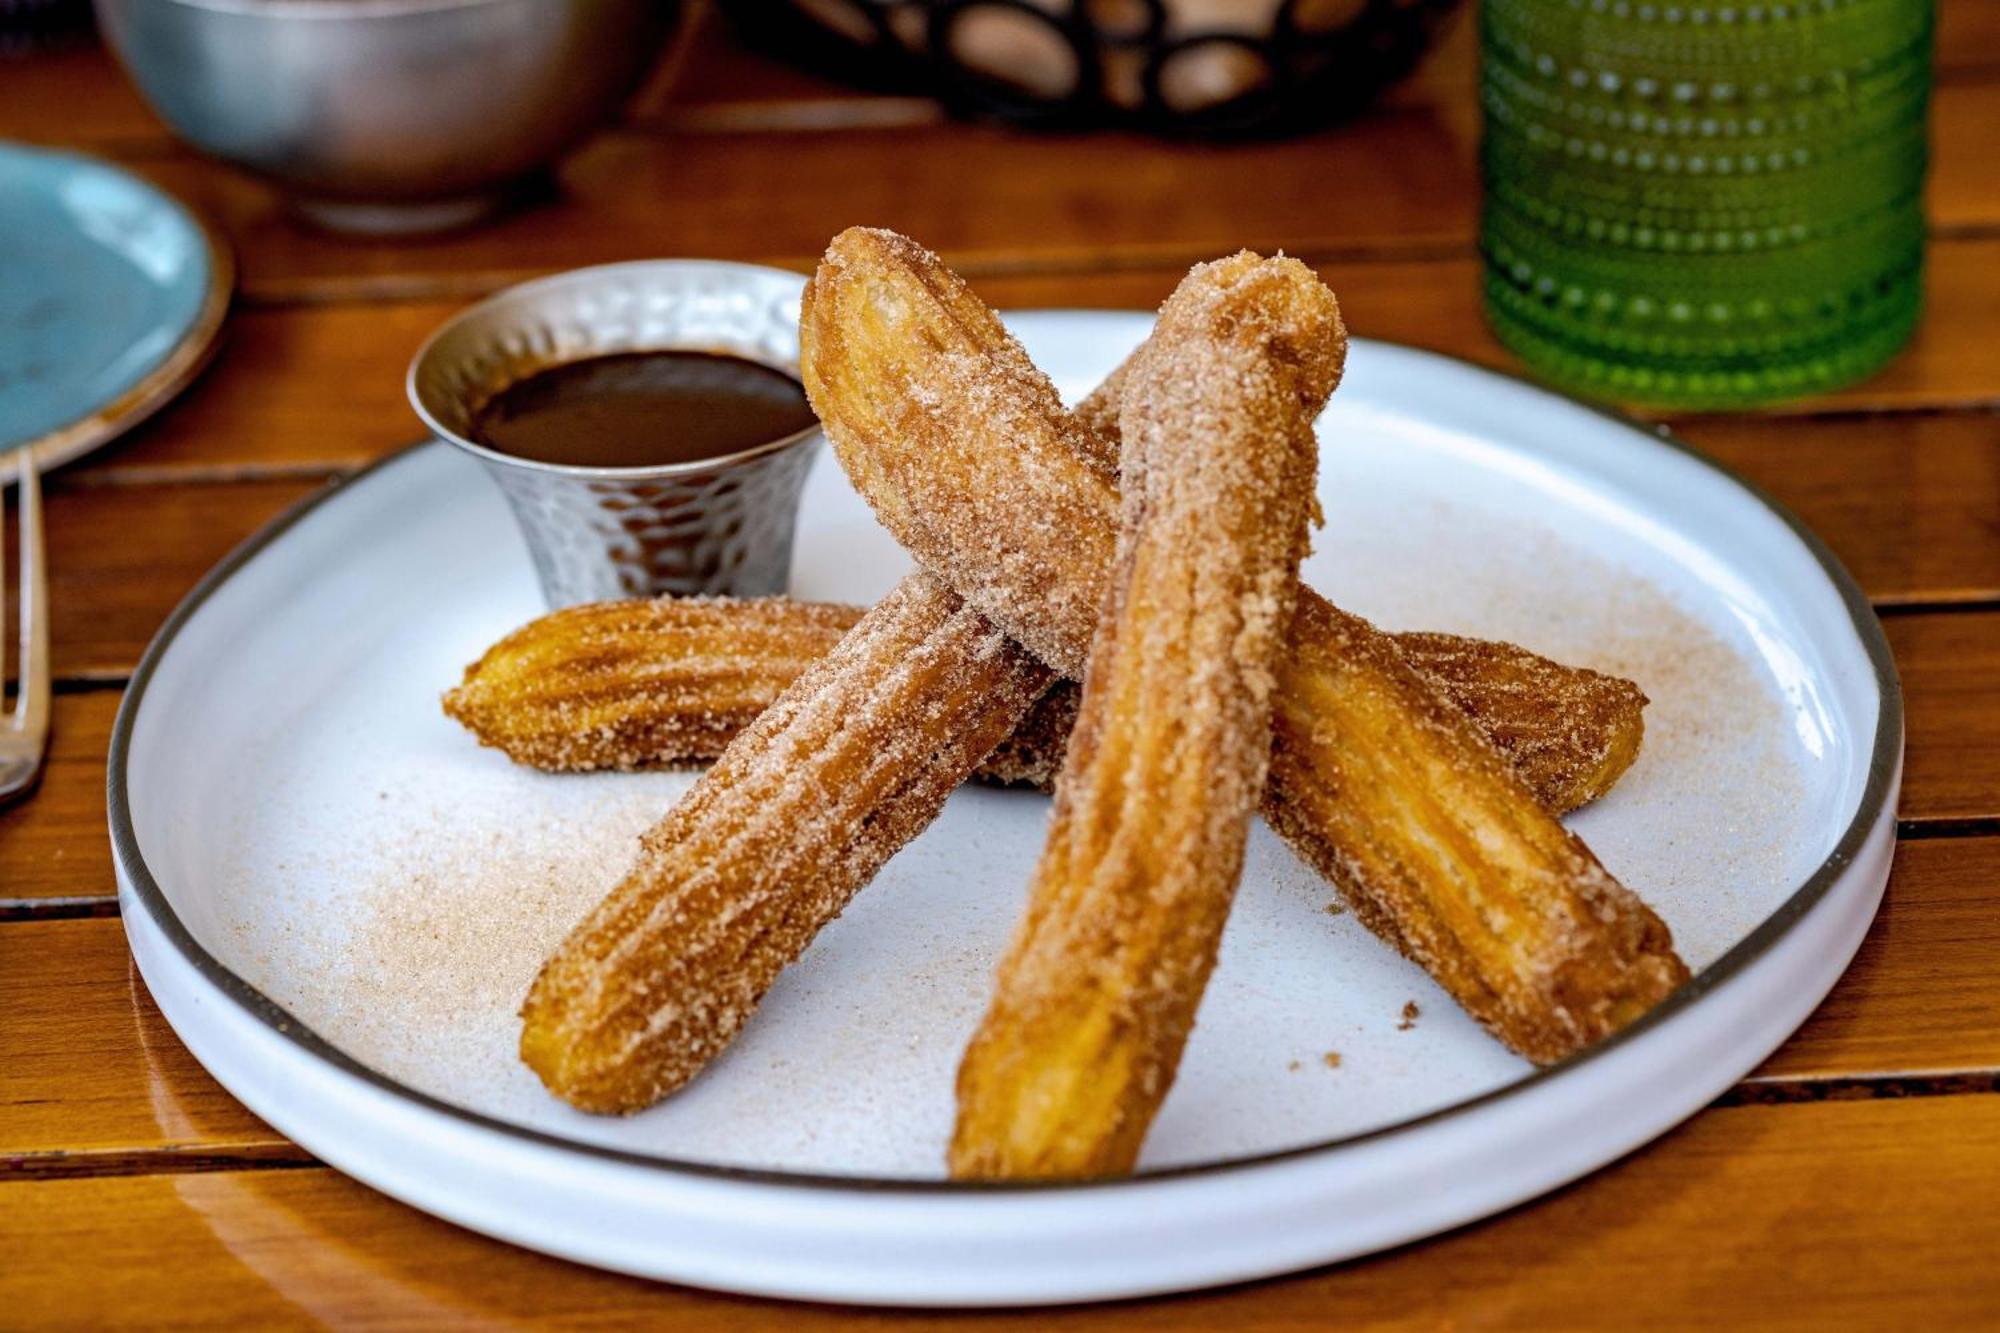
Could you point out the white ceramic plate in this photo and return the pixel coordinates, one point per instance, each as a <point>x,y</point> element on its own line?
<point>337,898</point>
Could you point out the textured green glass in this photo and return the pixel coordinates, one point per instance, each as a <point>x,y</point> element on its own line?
<point>1704,204</point>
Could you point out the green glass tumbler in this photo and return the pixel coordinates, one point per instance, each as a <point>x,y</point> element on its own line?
<point>1704,205</point>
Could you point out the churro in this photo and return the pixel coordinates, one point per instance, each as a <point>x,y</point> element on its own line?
<point>637,683</point>
<point>965,453</point>
<point>858,754</point>
<point>853,760</point>
<point>670,682</point>
<point>1098,992</point>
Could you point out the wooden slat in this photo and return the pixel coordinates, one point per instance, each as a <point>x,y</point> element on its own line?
<point>121,557</point>
<point>1922,991</point>
<point>1950,666</point>
<point>976,191</point>
<point>1968,39</point>
<point>1906,501</point>
<point>77,99</point>
<point>1962,118</point>
<point>302,389</point>
<point>53,844</point>
<point>255,406</point>
<point>1870,1215</point>
<point>92,1067</point>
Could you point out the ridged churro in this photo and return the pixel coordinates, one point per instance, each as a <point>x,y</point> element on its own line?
<point>858,754</point>
<point>965,453</point>
<point>853,760</point>
<point>638,683</point>
<point>670,682</point>
<point>1097,993</point>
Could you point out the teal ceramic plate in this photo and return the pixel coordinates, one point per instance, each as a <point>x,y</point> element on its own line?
<point>111,297</point>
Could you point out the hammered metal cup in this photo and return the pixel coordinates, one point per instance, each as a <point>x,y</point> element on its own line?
<point>718,525</point>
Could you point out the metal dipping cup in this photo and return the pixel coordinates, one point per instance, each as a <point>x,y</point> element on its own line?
<point>717,525</point>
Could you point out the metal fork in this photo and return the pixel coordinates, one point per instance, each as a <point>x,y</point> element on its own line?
<point>24,731</point>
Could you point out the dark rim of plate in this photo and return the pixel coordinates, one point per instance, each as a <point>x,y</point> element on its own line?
<point>1881,770</point>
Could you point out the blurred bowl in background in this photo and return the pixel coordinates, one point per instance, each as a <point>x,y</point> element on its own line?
<point>1183,67</point>
<point>388,116</point>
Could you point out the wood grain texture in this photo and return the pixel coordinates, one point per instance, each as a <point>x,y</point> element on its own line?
<point>92,1067</point>
<point>1921,993</point>
<point>55,844</point>
<point>1950,666</point>
<point>253,412</point>
<point>773,196</point>
<point>121,557</point>
<point>988,197</point>
<point>1907,501</point>
<point>1781,1217</point>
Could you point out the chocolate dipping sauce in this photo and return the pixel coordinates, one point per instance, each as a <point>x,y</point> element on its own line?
<point>643,409</point>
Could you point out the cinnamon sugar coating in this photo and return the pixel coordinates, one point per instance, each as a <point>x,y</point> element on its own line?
<point>775,839</point>
<point>638,683</point>
<point>966,455</point>
<point>668,683</point>
<point>854,759</point>
<point>1096,996</point>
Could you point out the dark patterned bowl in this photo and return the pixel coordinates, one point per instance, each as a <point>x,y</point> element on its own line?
<point>1206,67</point>
<point>42,25</point>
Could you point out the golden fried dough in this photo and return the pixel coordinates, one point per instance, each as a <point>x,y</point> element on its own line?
<point>1097,993</point>
<point>853,760</point>
<point>636,683</point>
<point>670,682</point>
<point>967,456</point>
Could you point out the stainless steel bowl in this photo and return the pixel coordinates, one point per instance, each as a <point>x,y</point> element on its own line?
<point>387,115</point>
<point>718,526</point>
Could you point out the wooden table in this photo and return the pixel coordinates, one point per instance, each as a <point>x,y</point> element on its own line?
<point>1853,1176</point>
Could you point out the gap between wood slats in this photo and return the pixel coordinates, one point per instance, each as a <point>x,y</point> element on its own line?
<point>58,909</point>
<point>1947,826</point>
<point>27,1166</point>
<point>1129,257</point>
<point>280,1155</point>
<point>1891,606</point>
